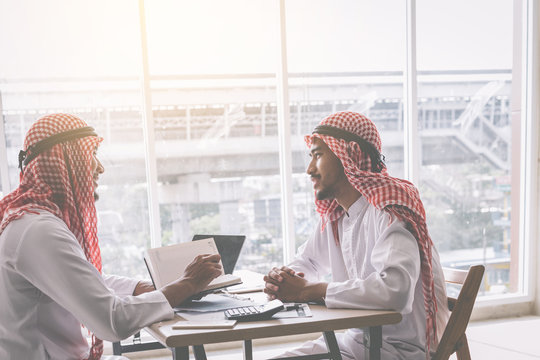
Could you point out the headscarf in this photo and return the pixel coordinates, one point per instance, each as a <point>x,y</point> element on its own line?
<point>398,197</point>
<point>59,180</point>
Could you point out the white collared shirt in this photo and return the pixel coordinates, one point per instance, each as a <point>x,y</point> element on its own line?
<point>375,266</point>
<point>48,288</point>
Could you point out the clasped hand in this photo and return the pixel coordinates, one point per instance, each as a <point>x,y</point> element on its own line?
<point>285,284</point>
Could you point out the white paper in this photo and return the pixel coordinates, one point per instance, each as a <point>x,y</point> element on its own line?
<point>212,303</point>
<point>251,282</point>
<point>168,263</point>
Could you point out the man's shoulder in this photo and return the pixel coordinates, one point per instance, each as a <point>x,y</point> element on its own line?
<point>40,218</point>
<point>374,213</point>
<point>383,220</point>
<point>38,223</point>
<point>33,234</point>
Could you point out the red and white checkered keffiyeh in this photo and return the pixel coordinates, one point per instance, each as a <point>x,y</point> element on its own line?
<point>398,197</point>
<point>46,184</point>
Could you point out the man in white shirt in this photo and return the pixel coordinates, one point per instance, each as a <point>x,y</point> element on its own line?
<point>50,263</point>
<point>372,241</point>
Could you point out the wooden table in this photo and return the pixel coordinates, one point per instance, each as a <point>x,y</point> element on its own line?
<point>323,320</point>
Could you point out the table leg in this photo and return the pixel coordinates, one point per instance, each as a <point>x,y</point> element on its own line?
<point>117,348</point>
<point>180,353</point>
<point>248,350</point>
<point>198,351</point>
<point>373,342</point>
<point>332,345</point>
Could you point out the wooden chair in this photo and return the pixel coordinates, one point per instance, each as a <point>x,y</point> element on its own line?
<point>454,339</point>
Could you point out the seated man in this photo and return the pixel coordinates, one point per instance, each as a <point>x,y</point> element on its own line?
<point>373,241</point>
<point>50,262</point>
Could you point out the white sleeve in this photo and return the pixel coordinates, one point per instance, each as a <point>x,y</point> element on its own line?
<point>52,260</point>
<point>121,285</point>
<point>391,285</point>
<point>312,257</point>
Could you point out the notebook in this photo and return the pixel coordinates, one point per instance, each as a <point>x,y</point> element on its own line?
<point>166,264</point>
<point>228,246</point>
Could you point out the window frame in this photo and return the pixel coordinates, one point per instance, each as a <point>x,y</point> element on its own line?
<point>524,111</point>
<point>4,169</point>
<point>529,149</point>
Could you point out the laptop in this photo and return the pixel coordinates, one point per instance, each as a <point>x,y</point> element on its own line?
<point>228,246</point>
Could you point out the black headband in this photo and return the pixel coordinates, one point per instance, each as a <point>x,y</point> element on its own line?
<point>377,160</point>
<point>34,150</point>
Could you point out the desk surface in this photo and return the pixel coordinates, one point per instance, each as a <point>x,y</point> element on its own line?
<point>323,319</point>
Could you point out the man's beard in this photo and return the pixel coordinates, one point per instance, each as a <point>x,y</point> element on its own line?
<point>96,196</point>
<point>324,194</point>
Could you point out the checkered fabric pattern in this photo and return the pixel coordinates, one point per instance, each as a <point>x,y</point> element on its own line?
<point>398,197</point>
<point>47,184</point>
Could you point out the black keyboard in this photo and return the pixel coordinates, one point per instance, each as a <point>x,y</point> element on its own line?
<point>253,313</point>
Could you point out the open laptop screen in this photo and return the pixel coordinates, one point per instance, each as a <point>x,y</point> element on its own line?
<point>228,246</point>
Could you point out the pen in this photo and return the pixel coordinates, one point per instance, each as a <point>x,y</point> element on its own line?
<point>292,306</point>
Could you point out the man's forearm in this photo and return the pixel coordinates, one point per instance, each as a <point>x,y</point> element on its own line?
<point>143,287</point>
<point>177,292</point>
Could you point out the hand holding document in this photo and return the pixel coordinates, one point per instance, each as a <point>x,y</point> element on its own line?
<point>167,264</point>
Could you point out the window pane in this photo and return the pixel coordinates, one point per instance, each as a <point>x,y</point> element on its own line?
<point>77,39</point>
<point>465,126</point>
<point>216,137</point>
<point>85,64</point>
<point>352,64</point>
<point>211,36</point>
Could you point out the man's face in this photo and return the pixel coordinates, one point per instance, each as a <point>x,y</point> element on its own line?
<point>326,171</point>
<point>97,168</point>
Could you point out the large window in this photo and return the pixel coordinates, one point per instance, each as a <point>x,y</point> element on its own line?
<point>192,136</point>
<point>465,127</point>
<point>216,136</point>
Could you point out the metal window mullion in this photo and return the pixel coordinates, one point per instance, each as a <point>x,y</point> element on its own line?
<point>4,168</point>
<point>411,146</point>
<point>284,134</point>
<point>529,147</point>
<point>149,138</point>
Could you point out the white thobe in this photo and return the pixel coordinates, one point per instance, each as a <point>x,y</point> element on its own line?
<point>48,288</point>
<point>375,266</point>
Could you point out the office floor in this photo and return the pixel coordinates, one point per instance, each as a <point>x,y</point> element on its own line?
<point>515,338</point>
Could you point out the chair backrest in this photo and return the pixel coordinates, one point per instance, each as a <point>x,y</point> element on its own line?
<point>454,333</point>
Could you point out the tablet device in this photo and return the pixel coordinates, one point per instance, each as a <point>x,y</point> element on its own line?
<point>229,247</point>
